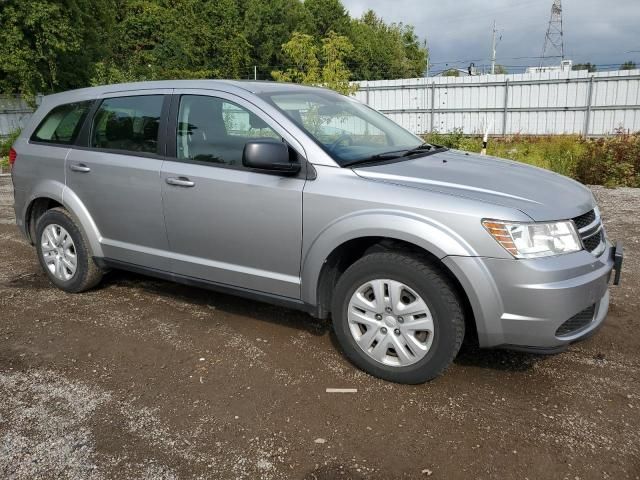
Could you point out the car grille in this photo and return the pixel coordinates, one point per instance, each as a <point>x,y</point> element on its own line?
<point>585,220</point>
<point>577,322</point>
<point>592,242</point>
<point>590,230</point>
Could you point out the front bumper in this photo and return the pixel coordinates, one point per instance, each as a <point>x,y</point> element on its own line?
<point>520,304</point>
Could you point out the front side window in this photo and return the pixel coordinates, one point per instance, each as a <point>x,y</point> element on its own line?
<point>62,124</point>
<point>215,130</point>
<point>128,124</point>
<point>345,128</point>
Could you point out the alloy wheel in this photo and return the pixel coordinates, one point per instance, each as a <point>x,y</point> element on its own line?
<point>59,252</point>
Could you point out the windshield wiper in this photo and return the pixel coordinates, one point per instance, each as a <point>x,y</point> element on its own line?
<point>424,149</point>
<point>379,157</point>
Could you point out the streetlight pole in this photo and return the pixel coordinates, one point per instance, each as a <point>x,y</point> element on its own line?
<point>493,49</point>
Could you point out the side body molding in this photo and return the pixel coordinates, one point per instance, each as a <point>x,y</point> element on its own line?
<point>421,231</point>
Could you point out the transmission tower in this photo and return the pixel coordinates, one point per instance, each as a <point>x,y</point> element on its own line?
<point>553,41</point>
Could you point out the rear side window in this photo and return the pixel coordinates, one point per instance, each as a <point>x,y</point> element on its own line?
<point>62,124</point>
<point>128,124</point>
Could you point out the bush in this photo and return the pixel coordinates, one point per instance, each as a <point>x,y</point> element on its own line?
<point>6,142</point>
<point>456,139</point>
<point>611,161</point>
<point>5,145</point>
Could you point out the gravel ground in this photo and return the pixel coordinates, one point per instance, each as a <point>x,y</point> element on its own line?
<point>144,379</point>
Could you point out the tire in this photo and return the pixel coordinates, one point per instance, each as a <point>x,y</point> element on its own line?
<point>426,354</point>
<point>87,274</point>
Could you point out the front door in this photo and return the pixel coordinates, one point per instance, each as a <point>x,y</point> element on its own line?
<point>225,223</point>
<point>117,177</point>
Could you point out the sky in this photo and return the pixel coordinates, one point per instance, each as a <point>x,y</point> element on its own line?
<point>604,32</point>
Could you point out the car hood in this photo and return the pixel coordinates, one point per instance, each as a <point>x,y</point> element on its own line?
<point>539,193</point>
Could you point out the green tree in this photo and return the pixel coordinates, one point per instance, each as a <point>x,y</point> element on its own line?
<point>629,65</point>
<point>301,52</point>
<point>50,46</point>
<point>175,39</point>
<point>140,28</point>
<point>335,74</point>
<point>268,24</point>
<point>54,45</point>
<point>325,16</point>
<point>209,39</point>
<point>313,65</point>
<point>585,66</point>
<point>384,51</point>
<point>452,72</point>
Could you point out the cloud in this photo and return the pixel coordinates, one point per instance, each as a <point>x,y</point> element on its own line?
<point>459,31</point>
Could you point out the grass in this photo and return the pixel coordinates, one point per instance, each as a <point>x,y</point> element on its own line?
<point>612,161</point>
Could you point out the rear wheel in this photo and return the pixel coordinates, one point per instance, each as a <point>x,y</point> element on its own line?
<point>397,316</point>
<point>63,252</point>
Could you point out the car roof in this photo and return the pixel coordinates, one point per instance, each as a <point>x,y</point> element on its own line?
<point>253,86</point>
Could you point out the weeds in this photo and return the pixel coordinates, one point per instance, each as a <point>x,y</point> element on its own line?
<point>612,161</point>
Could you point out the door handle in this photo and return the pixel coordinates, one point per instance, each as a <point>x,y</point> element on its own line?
<point>180,182</point>
<point>79,167</point>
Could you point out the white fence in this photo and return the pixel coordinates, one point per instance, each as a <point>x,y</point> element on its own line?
<point>551,103</point>
<point>14,113</point>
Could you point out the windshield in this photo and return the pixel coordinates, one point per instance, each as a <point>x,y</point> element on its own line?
<point>347,130</point>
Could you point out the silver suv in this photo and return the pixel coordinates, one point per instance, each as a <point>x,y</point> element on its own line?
<point>306,198</point>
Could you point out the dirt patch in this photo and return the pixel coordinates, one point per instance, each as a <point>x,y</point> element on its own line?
<point>146,379</point>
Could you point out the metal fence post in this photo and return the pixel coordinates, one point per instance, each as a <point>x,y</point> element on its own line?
<point>587,119</point>
<point>433,103</point>
<point>505,112</point>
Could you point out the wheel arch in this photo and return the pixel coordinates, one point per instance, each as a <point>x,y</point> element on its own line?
<point>67,199</point>
<point>340,245</point>
<point>344,255</point>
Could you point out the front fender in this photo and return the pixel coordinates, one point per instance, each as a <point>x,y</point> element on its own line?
<point>432,236</point>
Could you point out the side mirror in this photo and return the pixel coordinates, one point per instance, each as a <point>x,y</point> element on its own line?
<point>269,156</point>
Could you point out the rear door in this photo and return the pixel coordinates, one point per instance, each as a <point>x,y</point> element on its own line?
<point>116,175</point>
<point>225,223</point>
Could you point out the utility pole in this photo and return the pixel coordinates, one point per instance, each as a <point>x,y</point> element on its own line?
<point>255,72</point>
<point>553,40</point>
<point>493,49</point>
<point>426,47</point>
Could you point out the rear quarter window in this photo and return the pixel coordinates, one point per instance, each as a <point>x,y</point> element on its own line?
<point>62,124</point>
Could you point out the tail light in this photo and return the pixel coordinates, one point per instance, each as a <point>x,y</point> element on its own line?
<point>12,156</point>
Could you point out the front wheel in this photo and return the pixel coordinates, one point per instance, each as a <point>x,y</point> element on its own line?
<point>397,316</point>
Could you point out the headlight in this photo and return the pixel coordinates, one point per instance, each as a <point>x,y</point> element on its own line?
<point>532,240</point>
